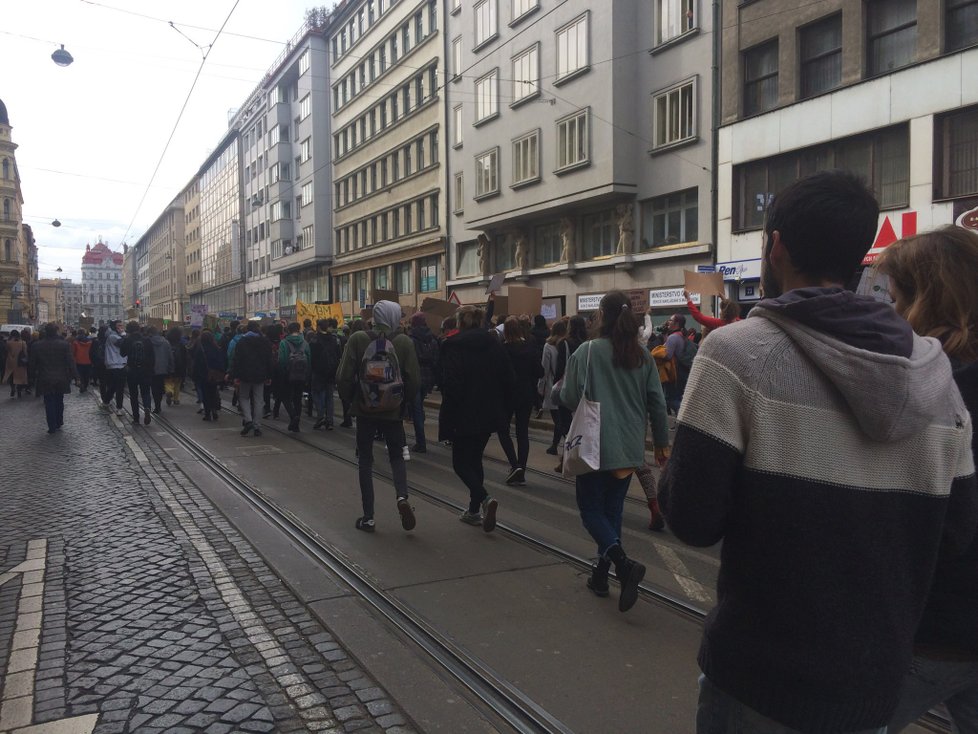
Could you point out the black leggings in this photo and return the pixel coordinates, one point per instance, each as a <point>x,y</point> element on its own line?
<point>467,462</point>
<point>555,417</point>
<point>519,457</point>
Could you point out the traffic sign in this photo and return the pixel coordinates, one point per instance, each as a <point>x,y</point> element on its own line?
<point>453,298</point>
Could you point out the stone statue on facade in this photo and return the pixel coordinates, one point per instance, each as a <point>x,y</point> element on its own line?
<point>483,253</point>
<point>519,256</point>
<point>566,240</point>
<point>626,228</point>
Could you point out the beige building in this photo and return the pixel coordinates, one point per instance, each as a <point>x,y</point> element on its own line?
<point>388,176</point>
<point>883,88</point>
<point>191,240</point>
<point>73,295</point>
<point>51,301</point>
<point>18,264</point>
<point>164,244</point>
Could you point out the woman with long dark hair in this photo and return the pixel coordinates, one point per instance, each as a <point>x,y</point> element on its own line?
<point>549,362</point>
<point>932,279</point>
<point>209,369</point>
<point>622,378</point>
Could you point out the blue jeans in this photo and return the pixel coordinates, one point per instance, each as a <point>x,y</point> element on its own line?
<point>600,499</point>
<point>416,411</point>
<point>721,713</point>
<point>54,410</point>
<point>322,395</point>
<point>930,682</point>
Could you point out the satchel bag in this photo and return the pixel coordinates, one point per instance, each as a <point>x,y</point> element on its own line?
<point>582,445</point>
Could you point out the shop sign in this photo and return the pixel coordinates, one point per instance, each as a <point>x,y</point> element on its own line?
<point>589,301</point>
<point>886,234</point>
<point>740,269</point>
<point>668,297</point>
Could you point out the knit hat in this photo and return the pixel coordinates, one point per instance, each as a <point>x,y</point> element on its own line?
<point>419,320</point>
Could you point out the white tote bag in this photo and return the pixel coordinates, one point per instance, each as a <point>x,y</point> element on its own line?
<point>582,445</point>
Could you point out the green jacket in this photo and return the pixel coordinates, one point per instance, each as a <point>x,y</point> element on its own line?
<point>346,375</point>
<point>626,398</point>
<point>283,351</point>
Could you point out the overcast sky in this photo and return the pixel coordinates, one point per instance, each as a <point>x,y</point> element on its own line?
<point>90,135</point>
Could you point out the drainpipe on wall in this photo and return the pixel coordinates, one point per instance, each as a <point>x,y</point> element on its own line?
<point>446,210</point>
<point>715,114</point>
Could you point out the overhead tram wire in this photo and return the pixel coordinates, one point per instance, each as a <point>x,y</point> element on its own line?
<point>176,124</point>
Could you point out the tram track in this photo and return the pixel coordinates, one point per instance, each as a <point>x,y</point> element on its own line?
<point>503,699</point>
<point>498,695</point>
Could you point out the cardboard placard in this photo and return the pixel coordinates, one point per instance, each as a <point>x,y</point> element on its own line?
<point>639,299</point>
<point>706,284</point>
<point>378,294</point>
<point>433,320</point>
<point>496,283</point>
<point>158,323</point>
<point>316,311</point>
<point>502,306</point>
<point>438,306</point>
<point>524,300</point>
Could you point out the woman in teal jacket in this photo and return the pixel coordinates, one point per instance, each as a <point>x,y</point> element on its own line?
<point>624,380</point>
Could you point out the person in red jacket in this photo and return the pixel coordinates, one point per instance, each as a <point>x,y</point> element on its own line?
<point>81,349</point>
<point>729,312</point>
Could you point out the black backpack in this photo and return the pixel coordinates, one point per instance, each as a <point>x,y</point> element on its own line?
<point>97,352</point>
<point>427,360</point>
<point>296,366</point>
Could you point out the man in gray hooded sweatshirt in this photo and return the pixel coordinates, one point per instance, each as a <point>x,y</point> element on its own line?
<point>162,365</point>
<point>390,422</point>
<point>827,445</point>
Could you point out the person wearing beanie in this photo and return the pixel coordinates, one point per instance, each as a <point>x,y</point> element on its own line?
<point>372,350</point>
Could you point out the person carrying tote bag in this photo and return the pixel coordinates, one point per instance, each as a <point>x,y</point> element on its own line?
<point>617,373</point>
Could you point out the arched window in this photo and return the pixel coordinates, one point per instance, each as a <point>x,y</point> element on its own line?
<point>6,209</point>
<point>6,168</point>
<point>8,254</point>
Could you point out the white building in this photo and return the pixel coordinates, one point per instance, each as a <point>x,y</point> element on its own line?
<point>102,283</point>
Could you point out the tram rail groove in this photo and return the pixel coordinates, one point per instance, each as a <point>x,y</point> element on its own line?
<point>519,711</point>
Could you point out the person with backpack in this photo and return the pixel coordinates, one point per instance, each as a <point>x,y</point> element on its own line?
<point>426,347</point>
<point>296,366</point>
<point>140,363</point>
<point>251,368</point>
<point>377,374</point>
<point>677,352</point>
<point>325,351</point>
<point>162,365</point>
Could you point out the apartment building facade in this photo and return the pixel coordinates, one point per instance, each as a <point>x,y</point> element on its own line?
<point>102,283</point>
<point>387,106</point>
<point>18,286</point>
<point>162,268</point>
<point>73,296</point>
<point>191,242</point>
<point>580,148</point>
<point>884,89</point>
<point>51,301</point>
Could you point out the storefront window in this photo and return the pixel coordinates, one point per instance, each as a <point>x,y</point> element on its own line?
<point>428,274</point>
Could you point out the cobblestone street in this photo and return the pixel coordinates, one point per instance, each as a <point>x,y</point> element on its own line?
<point>128,602</point>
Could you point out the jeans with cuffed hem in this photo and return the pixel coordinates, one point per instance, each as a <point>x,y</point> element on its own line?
<point>720,713</point>
<point>393,433</point>
<point>250,399</point>
<point>467,454</point>
<point>601,500</point>
<point>930,682</point>
<point>322,394</point>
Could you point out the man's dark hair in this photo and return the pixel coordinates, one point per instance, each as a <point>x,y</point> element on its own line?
<point>294,328</point>
<point>322,324</point>
<point>307,323</point>
<point>827,223</point>
<point>50,330</point>
<point>254,327</point>
<point>132,327</point>
<point>331,324</point>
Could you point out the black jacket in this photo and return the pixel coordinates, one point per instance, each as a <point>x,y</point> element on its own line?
<point>145,370</point>
<point>252,361</point>
<point>52,365</point>
<point>528,369</point>
<point>477,384</point>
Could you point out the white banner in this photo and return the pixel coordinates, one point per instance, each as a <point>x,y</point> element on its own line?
<point>589,302</point>
<point>197,313</point>
<point>668,297</point>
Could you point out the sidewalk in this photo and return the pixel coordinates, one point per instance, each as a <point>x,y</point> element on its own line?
<point>128,602</point>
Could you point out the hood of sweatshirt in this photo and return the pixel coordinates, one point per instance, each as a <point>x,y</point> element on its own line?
<point>296,339</point>
<point>891,378</point>
<point>386,316</point>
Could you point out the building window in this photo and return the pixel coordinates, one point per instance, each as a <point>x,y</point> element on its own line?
<point>457,58</point>
<point>486,96</point>
<point>600,232</point>
<point>573,148</point>
<point>428,274</point>
<point>547,244</point>
<point>343,288</point>
<point>761,78</point>
<point>305,150</point>
<point>672,19</point>
<point>305,106</point>
<point>821,56</point>
<point>526,74</point>
<point>957,138</point>
<point>6,169</point>
<point>402,278</point>
<point>891,27</point>
<point>487,173</point>
<point>307,193</point>
<point>522,7</point>
<point>881,158</point>
<point>504,256</point>
<point>572,48</point>
<point>670,219</point>
<point>457,126</point>
<point>526,158</point>
<point>485,21</point>
<point>458,194</point>
<point>674,115</point>
<point>467,260</point>
<point>961,24</point>
<point>382,279</point>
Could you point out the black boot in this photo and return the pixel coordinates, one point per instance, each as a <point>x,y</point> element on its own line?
<point>630,574</point>
<point>598,580</point>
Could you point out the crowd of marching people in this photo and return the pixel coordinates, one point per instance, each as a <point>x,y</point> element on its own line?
<point>826,440</point>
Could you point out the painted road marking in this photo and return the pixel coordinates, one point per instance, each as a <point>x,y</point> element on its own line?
<point>694,590</point>
<point>17,704</point>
